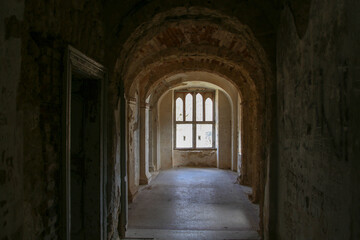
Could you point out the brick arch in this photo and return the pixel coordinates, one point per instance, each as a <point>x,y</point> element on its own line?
<point>199,38</point>
<point>219,58</point>
<point>137,17</point>
<point>235,74</point>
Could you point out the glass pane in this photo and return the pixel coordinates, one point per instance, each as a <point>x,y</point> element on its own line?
<point>184,136</point>
<point>204,135</point>
<point>189,107</point>
<point>199,107</point>
<point>179,109</point>
<point>208,110</point>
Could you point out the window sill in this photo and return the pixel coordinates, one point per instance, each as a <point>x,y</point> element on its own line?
<point>194,149</point>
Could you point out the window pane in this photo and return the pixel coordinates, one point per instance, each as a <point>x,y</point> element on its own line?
<point>189,107</point>
<point>204,135</point>
<point>208,110</point>
<point>199,107</point>
<point>184,136</point>
<point>179,109</point>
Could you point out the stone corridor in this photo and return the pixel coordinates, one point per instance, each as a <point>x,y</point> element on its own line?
<point>98,95</point>
<point>194,203</point>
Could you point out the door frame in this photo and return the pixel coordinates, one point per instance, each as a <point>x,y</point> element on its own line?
<point>75,60</point>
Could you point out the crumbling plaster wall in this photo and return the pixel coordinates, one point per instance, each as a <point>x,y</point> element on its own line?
<point>195,158</point>
<point>317,88</point>
<point>31,110</point>
<point>352,9</point>
<point>165,131</point>
<point>225,131</point>
<point>11,132</point>
<point>133,146</point>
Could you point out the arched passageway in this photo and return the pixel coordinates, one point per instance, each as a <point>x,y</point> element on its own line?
<point>172,44</point>
<point>294,64</point>
<point>160,131</point>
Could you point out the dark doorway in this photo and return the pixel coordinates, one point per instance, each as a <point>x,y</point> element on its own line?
<point>85,155</point>
<point>85,168</point>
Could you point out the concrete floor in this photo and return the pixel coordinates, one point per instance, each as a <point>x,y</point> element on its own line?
<point>193,203</point>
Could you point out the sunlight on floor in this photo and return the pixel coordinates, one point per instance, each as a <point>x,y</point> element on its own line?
<point>194,203</point>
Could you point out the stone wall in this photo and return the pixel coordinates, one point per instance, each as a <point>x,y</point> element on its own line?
<point>35,36</point>
<point>225,132</point>
<point>11,132</point>
<point>133,148</point>
<point>195,158</point>
<point>353,48</point>
<point>165,131</point>
<point>314,92</point>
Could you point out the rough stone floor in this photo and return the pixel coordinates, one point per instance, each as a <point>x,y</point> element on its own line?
<point>193,203</point>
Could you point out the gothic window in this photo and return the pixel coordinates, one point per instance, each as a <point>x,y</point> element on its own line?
<point>194,119</point>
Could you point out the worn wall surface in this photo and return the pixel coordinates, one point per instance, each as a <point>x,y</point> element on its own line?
<point>154,136</point>
<point>225,133</point>
<point>195,158</point>
<point>165,131</point>
<point>316,89</point>
<point>353,19</point>
<point>33,40</point>
<point>11,131</point>
<point>133,158</point>
<point>47,29</point>
<point>144,143</point>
